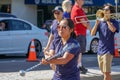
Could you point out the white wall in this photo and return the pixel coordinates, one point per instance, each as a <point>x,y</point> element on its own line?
<point>23,11</point>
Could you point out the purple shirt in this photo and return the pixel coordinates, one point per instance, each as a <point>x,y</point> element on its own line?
<point>54,29</point>
<point>67,71</point>
<point>106,37</point>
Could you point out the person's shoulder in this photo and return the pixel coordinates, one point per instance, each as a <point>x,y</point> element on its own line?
<point>77,10</point>
<point>75,7</point>
<point>113,20</point>
<point>54,21</point>
<point>57,40</point>
<point>73,42</point>
<point>66,15</point>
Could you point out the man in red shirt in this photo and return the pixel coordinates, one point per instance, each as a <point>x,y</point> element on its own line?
<point>81,25</point>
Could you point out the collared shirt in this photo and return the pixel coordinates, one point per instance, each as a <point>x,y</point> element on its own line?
<point>54,29</point>
<point>106,37</point>
<point>77,13</point>
<point>67,71</point>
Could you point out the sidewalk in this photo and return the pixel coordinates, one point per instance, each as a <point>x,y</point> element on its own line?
<point>93,74</point>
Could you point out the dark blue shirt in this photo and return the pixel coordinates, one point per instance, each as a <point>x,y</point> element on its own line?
<point>54,29</point>
<point>106,37</point>
<point>66,15</point>
<point>67,71</point>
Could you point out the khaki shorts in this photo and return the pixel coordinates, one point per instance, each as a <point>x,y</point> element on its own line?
<point>104,62</point>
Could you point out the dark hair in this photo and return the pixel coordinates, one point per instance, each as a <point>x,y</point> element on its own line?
<point>71,25</point>
<point>112,8</point>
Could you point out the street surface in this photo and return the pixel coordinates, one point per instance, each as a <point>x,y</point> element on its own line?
<point>10,66</point>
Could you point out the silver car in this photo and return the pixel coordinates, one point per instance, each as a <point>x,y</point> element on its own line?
<point>17,36</point>
<point>92,41</point>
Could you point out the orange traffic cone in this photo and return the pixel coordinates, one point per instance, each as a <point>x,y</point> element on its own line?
<point>116,54</point>
<point>32,54</point>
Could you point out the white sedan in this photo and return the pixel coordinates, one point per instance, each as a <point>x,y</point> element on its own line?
<point>17,36</point>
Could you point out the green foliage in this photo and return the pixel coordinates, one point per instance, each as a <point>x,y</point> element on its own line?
<point>92,17</point>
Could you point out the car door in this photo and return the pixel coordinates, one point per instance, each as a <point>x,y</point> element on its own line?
<point>20,37</point>
<point>5,39</point>
<point>117,35</point>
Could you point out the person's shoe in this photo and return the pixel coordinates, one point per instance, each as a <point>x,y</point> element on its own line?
<point>83,70</point>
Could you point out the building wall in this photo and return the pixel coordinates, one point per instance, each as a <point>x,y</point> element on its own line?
<point>5,1</point>
<point>26,12</point>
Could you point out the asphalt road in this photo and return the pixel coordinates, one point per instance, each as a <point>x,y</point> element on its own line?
<point>16,63</point>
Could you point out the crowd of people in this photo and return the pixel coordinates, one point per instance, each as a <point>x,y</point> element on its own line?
<point>68,38</point>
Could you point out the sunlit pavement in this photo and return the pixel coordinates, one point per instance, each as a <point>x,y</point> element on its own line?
<point>93,74</point>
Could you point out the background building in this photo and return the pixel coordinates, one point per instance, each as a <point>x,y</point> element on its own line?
<point>37,11</point>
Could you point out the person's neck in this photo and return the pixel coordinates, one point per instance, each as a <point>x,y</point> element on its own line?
<point>64,40</point>
<point>80,6</point>
<point>59,20</point>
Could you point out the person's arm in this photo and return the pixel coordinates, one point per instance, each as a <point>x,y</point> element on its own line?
<point>79,18</point>
<point>93,31</point>
<point>51,37</point>
<point>62,60</point>
<point>111,26</point>
<point>87,24</point>
<point>50,54</point>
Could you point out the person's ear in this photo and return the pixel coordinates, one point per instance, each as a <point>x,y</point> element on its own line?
<point>71,30</point>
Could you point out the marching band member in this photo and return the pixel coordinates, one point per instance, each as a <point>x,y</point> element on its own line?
<point>81,25</point>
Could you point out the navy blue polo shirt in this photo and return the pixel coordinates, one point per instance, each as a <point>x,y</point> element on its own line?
<point>54,29</point>
<point>106,37</point>
<point>67,71</point>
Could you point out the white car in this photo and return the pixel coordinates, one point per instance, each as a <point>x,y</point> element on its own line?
<point>18,34</point>
<point>92,41</point>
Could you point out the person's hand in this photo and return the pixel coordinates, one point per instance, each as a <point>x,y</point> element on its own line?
<point>44,61</point>
<point>45,49</point>
<point>47,54</point>
<point>97,22</point>
<point>107,18</point>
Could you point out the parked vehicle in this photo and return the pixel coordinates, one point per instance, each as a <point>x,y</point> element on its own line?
<point>18,34</point>
<point>7,15</point>
<point>92,41</point>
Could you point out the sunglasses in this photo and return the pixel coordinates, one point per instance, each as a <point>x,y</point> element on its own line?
<point>57,13</point>
<point>106,9</point>
<point>61,27</point>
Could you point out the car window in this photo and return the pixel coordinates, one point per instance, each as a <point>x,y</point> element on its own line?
<point>19,25</point>
<point>6,23</point>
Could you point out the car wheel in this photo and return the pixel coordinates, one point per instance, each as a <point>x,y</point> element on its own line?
<point>38,48</point>
<point>94,45</point>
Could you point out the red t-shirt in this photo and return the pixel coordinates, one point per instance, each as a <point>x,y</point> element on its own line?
<point>77,13</point>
